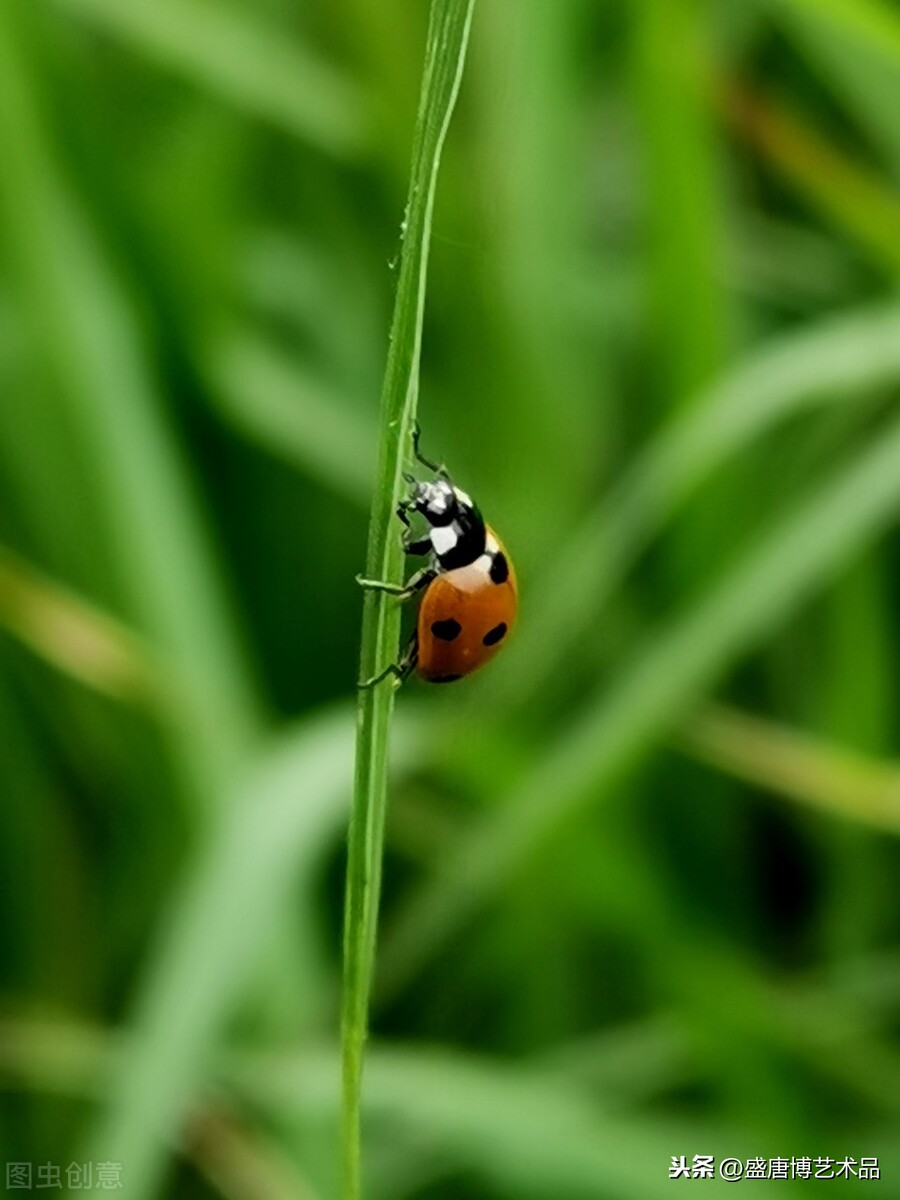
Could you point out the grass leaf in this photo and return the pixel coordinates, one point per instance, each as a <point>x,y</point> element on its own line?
<point>815,772</point>
<point>447,39</point>
<point>269,846</point>
<point>834,363</point>
<point>100,385</point>
<point>222,47</point>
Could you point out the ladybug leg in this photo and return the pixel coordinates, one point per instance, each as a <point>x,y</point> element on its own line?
<point>437,468</point>
<point>400,670</point>
<point>404,506</point>
<point>416,545</point>
<point>414,584</point>
<point>411,544</point>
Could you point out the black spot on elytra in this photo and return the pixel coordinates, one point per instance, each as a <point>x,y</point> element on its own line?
<point>499,568</point>
<point>446,630</point>
<point>495,635</point>
<point>445,678</point>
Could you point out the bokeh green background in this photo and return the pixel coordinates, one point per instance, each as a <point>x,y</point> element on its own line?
<point>641,884</point>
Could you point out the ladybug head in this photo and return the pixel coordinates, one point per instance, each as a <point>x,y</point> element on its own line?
<point>437,502</point>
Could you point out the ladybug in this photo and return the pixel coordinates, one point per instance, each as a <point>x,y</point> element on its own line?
<point>470,597</point>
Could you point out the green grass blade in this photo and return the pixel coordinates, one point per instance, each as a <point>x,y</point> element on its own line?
<point>869,22</point>
<point>849,194</point>
<point>528,1133</point>
<point>778,573</point>
<point>99,385</point>
<point>857,48</point>
<point>232,52</point>
<point>529,237</point>
<point>834,363</point>
<point>270,844</point>
<point>447,39</point>
<point>815,772</point>
<point>76,637</point>
<point>268,395</point>
<point>689,302</point>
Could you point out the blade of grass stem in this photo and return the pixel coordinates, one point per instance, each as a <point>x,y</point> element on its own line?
<point>40,926</point>
<point>730,1004</point>
<point>270,843</point>
<point>851,707</point>
<point>528,1132</point>
<point>690,322</point>
<point>868,21</point>
<point>857,46</point>
<point>826,777</point>
<point>842,358</point>
<point>99,382</point>
<point>528,1129</point>
<point>447,38</point>
<point>634,1061</point>
<point>89,645</point>
<point>62,1057</point>
<point>76,637</point>
<point>836,1029</point>
<point>781,570</point>
<point>855,706</point>
<point>230,50</point>
<point>242,1162</point>
<point>688,299</point>
<point>531,237</point>
<point>274,399</point>
<point>850,196</point>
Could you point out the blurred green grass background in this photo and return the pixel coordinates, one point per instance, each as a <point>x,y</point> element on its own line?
<point>640,893</point>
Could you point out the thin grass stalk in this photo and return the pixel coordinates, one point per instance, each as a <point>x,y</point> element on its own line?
<point>448,33</point>
<point>97,384</point>
<point>855,199</point>
<point>827,777</point>
<point>232,52</point>
<point>836,362</point>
